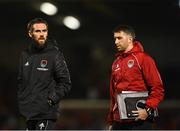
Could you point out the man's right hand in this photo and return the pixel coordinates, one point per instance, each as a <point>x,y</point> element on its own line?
<point>50,102</point>
<point>110,127</point>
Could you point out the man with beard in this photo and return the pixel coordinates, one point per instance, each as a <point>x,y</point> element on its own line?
<point>43,78</point>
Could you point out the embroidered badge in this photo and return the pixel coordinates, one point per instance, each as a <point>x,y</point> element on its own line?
<point>130,63</point>
<point>43,63</point>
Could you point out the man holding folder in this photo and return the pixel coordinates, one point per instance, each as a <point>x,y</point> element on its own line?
<point>133,70</point>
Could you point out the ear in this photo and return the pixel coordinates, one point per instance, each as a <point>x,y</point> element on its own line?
<point>30,34</point>
<point>130,39</point>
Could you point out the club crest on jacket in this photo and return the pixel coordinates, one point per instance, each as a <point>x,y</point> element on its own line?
<point>43,63</point>
<point>130,63</point>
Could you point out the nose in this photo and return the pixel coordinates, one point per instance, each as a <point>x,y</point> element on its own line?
<point>41,33</point>
<point>116,41</point>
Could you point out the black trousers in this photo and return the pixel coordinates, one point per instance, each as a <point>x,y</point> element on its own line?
<point>136,125</point>
<point>40,124</point>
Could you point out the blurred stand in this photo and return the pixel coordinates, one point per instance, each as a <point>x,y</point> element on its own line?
<point>91,114</point>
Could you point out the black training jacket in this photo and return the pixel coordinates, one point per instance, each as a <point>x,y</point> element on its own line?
<point>43,74</point>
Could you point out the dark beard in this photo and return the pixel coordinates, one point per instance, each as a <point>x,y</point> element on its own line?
<point>35,47</point>
<point>39,46</point>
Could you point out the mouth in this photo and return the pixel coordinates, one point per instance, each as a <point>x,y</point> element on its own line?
<point>41,39</point>
<point>119,47</point>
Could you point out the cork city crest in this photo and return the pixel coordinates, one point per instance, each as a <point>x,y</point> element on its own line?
<point>43,66</point>
<point>130,63</point>
<point>43,63</point>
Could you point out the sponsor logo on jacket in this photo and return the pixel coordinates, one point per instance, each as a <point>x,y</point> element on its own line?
<point>117,67</point>
<point>27,63</point>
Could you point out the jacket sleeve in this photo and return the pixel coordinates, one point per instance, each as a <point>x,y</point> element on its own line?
<point>62,79</point>
<point>153,81</point>
<point>109,118</point>
<point>20,71</point>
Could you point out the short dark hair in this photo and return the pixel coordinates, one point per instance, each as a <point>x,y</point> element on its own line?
<point>125,28</point>
<point>34,21</point>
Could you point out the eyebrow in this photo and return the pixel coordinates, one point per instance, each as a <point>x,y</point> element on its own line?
<point>44,30</point>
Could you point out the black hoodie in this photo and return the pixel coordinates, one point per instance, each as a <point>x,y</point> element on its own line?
<point>43,75</point>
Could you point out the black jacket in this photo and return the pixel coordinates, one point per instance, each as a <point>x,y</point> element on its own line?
<point>43,74</point>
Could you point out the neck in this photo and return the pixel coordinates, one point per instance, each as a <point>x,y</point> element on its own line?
<point>129,47</point>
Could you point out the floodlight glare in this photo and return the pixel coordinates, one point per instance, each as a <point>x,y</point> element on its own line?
<point>71,22</point>
<point>48,8</point>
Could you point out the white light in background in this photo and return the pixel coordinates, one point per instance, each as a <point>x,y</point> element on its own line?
<point>179,3</point>
<point>71,22</point>
<point>48,8</point>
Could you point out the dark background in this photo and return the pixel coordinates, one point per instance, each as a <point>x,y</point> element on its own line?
<point>89,51</point>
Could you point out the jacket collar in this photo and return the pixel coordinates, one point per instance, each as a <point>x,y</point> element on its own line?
<point>137,47</point>
<point>34,48</point>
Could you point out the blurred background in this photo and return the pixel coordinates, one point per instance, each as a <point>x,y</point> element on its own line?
<point>83,29</point>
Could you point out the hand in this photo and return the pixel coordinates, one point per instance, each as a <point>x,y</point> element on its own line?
<point>50,102</point>
<point>110,127</point>
<point>141,114</point>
